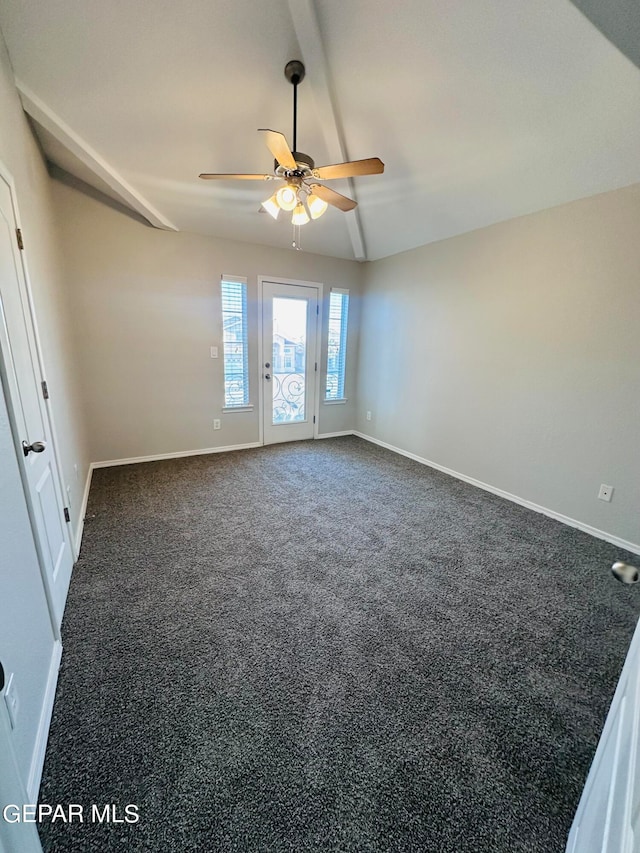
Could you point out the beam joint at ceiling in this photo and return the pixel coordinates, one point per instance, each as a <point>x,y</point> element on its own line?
<point>305,22</point>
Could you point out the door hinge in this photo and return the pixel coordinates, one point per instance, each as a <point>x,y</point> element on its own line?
<point>317,306</point>
<point>316,367</point>
<point>19,239</point>
<point>314,419</point>
<point>45,390</point>
<point>67,517</point>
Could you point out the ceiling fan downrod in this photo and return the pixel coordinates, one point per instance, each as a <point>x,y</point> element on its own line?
<point>294,71</point>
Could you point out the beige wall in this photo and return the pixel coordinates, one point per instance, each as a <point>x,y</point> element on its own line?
<point>509,354</point>
<point>146,307</point>
<point>512,355</point>
<point>22,158</point>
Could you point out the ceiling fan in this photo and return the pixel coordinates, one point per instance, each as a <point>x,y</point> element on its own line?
<point>300,192</point>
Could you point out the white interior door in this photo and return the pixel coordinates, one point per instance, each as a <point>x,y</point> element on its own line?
<point>14,837</point>
<point>29,415</point>
<point>608,815</point>
<point>290,317</point>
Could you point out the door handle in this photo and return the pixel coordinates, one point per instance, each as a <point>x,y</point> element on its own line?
<point>625,572</point>
<point>36,447</point>
<point>267,376</point>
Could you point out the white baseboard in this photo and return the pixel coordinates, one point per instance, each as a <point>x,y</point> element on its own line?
<point>109,463</point>
<point>133,460</point>
<point>558,516</point>
<point>83,511</point>
<point>37,760</point>
<point>335,434</point>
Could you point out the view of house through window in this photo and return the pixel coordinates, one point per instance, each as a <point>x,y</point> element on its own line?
<point>235,343</point>
<point>289,357</point>
<point>336,360</point>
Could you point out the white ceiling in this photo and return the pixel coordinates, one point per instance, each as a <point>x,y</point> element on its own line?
<point>482,110</point>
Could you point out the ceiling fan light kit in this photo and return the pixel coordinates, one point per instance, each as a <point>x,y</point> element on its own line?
<point>300,215</point>
<point>271,206</point>
<point>286,197</point>
<point>300,194</point>
<point>316,206</point>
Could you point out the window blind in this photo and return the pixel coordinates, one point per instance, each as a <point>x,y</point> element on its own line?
<point>235,341</point>
<point>337,352</point>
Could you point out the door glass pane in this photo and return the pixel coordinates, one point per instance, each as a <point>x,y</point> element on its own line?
<point>289,359</point>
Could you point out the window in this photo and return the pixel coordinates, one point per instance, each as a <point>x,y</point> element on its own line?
<point>235,342</point>
<point>336,359</point>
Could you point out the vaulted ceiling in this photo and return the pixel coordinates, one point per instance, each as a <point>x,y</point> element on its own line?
<point>482,110</point>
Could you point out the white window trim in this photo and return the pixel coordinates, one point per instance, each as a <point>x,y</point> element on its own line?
<point>226,410</point>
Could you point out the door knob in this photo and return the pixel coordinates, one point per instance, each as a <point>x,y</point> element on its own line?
<point>625,572</point>
<point>267,364</point>
<point>36,447</point>
<point>267,376</point>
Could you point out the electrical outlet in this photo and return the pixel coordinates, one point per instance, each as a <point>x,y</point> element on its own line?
<point>214,352</point>
<point>368,416</point>
<point>605,493</point>
<point>217,424</point>
<point>11,700</point>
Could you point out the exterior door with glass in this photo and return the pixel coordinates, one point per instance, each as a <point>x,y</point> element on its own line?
<point>290,317</point>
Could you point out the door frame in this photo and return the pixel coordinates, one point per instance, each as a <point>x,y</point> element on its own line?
<point>609,797</point>
<point>319,287</point>
<point>35,347</point>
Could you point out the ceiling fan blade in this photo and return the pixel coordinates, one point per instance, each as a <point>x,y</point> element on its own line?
<point>277,144</point>
<point>371,166</point>
<point>208,177</point>
<point>334,198</point>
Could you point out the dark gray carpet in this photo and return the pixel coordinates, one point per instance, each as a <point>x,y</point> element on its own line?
<point>324,646</point>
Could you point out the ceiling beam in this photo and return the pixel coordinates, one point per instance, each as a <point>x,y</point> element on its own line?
<point>305,22</point>
<point>81,149</point>
<point>618,20</point>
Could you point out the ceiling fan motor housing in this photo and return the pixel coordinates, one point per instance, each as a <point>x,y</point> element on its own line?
<point>306,164</point>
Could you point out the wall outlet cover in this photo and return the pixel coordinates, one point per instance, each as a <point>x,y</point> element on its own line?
<point>605,493</point>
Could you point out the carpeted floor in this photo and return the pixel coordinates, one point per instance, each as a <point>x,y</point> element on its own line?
<point>324,646</point>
